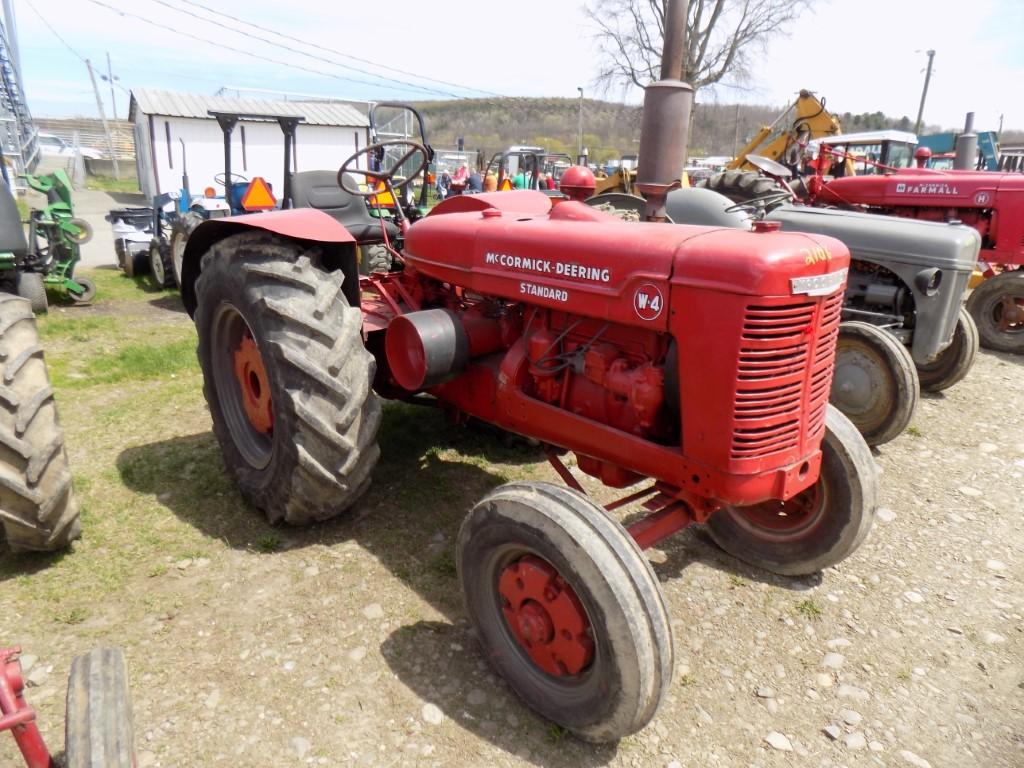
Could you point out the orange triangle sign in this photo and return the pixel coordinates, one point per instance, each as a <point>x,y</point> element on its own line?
<point>258,196</point>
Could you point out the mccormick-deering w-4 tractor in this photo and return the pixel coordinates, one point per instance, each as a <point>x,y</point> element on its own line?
<point>692,362</point>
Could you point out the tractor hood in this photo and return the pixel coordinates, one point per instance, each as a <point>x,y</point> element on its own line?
<point>575,258</point>
<point>921,188</point>
<point>887,239</point>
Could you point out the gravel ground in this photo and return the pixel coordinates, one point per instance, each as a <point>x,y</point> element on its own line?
<point>347,644</point>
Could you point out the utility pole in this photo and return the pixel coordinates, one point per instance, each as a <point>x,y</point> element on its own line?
<point>579,129</point>
<point>103,119</point>
<point>113,101</point>
<point>736,132</point>
<point>924,93</point>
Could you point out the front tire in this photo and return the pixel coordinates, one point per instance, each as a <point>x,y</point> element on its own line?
<point>181,230</point>
<point>954,362</point>
<point>30,285</point>
<point>566,608</point>
<point>875,381</point>
<point>286,377</point>
<point>98,732</point>
<point>160,265</point>
<point>38,503</point>
<point>997,306</point>
<point>820,526</point>
<point>88,291</point>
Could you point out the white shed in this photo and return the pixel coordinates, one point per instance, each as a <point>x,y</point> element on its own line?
<point>162,120</point>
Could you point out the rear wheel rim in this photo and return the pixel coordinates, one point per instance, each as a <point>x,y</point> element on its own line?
<point>545,617</point>
<point>1008,314</point>
<point>243,386</point>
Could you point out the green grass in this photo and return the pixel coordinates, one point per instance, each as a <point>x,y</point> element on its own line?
<point>23,208</point>
<point>110,184</point>
<point>809,609</point>
<point>134,362</point>
<point>914,431</point>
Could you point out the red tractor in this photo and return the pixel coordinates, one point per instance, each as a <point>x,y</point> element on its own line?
<point>691,362</point>
<point>992,203</point>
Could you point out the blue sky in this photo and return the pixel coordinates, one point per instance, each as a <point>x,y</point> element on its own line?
<point>864,55</point>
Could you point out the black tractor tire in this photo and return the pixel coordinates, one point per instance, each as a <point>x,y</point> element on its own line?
<point>875,381</point>
<point>98,732</point>
<point>38,509</point>
<point>741,186</point>
<point>954,362</point>
<point>838,511</point>
<point>181,230</point>
<point>374,258</point>
<point>161,273</point>
<point>30,285</point>
<point>619,689</point>
<point>84,231</point>
<point>88,291</point>
<point>316,459</point>
<point>986,306</point>
<point>136,263</point>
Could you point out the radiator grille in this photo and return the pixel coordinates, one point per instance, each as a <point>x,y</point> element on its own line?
<point>784,372</point>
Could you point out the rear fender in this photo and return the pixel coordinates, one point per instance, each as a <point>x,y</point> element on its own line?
<point>306,225</point>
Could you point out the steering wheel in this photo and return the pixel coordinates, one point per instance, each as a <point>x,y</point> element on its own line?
<point>769,166</point>
<point>386,175</point>
<point>236,178</point>
<point>761,201</point>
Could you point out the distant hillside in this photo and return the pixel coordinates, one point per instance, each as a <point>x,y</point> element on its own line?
<point>611,130</point>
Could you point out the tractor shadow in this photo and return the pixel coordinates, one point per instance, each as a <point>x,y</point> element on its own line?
<point>170,302</point>
<point>429,476</point>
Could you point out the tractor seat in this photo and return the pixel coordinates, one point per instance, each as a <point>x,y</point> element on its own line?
<point>12,231</point>
<point>320,190</point>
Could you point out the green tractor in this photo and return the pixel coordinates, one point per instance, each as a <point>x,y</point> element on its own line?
<point>47,258</point>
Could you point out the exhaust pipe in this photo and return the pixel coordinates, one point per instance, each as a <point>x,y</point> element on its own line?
<point>664,128</point>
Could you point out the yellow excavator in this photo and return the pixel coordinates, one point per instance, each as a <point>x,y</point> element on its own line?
<point>811,121</point>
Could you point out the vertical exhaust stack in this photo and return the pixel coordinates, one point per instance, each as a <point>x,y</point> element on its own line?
<point>664,128</point>
<point>966,147</point>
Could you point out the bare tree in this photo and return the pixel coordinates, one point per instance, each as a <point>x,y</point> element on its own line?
<point>721,38</point>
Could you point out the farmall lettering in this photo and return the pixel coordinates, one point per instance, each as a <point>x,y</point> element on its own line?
<point>930,188</point>
<point>648,302</point>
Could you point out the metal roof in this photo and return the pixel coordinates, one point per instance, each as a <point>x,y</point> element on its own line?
<point>176,104</point>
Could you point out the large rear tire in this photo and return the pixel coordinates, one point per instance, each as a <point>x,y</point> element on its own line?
<point>38,510</point>
<point>954,362</point>
<point>98,732</point>
<point>818,527</point>
<point>287,378</point>
<point>997,306</point>
<point>875,381</point>
<point>181,230</point>
<point>566,608</point>
<point>741,186</point>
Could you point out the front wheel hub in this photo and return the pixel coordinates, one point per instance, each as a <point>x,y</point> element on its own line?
<point>545,616</point>
<point>255,388</point>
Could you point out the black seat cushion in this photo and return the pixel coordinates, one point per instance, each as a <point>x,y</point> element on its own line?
<point>320,190</point>
<point>12,232</point>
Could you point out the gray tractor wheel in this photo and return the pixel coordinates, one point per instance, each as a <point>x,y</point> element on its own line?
<point>38,510</point>
<point>997,306</point>
<point>818,527</point>
<point>180,232</point>
<point>160,273</point>
<point>287,378</point>
<point>741,186</point>
<point>374,258</point>
<point>98,732</point>
<point>875,381</point>
<point>567,608</point>
<point>30,285</point>
<point>954,361</point>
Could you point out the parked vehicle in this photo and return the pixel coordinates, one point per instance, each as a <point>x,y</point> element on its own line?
<point>696,358</point>
<point>55,146</point>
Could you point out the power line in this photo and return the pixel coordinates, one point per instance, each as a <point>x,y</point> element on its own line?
<point>336,52</point>
<point>243,33</point>
<point>221,45</point>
